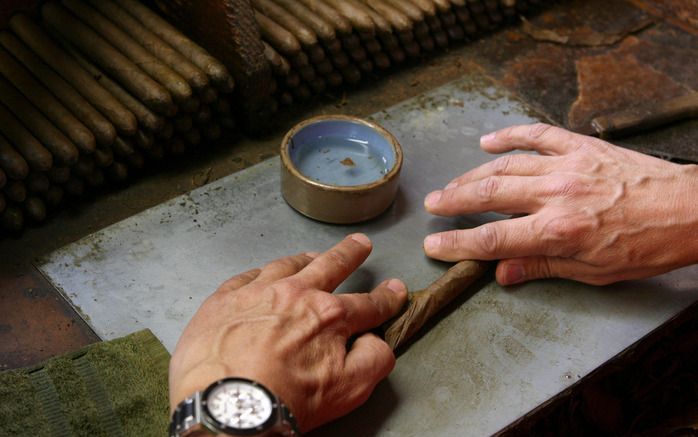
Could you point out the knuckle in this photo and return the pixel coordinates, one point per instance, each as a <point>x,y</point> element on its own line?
<point>537,130</point>
<point>488,188</point>
<point>339,260</point>
<point>501,166</point>
<point>569,187</point>
<point>330,308</point>
<point>451,241</point>
<point>488,239</point>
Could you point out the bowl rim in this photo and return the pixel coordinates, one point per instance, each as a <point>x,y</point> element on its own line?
<point>290,166</point>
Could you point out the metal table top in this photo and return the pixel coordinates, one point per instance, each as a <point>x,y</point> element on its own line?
<point>493,358</point>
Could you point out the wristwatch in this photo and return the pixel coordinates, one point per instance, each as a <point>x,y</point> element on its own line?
<point>233,406</point>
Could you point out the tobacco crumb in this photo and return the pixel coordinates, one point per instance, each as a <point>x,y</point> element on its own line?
<point>348,162</point>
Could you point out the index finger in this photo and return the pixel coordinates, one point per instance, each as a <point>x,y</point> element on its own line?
<point>540,137</point>
<point>332,267</point>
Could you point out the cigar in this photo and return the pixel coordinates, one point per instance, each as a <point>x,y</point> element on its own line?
<point>334,79</point>
<point>117,172</point>
<point>193,136</point>
<point>302,92</point>
<point>223,107</point>
<point>420,30</point>
<point>351,41</point>
<point>434,23</point>
<point>53,196</point>
<point>324,68</point>
<point>135,161</point>
<point>397,55</point>
<point>463,15</point>
<point>102,129</point>
<point>440,38</point>
<point>408,8</point>
<point>113,35</point>
<point>74,186</point>
<point>143,140</point>
<point>397,19</point>
<point>194,76</point>
<point>351,74</point>
<point>307,73</point>
<point>67,67</point>
<point>288,21</point>
<point>147,118</point>
<point>208,95</point>
<point>321,27</point>
<point>190,105</point>
<point>46,102</point>
<point>492,7</point>
<point>227,122</point>
<point>183,123</point>
<point>103,156</point>
<point>35,209</point>
<point>12,219</point>
<point>167,131</point>
<point>278,37</point>
<point>329,14</point>
<point>426,6</point>
<point>279,64</point>
<point>95,179</point>
<point>200,57</point>
<point>204,115</point>
<point>293,79</point>
<point>212,131</point>
<point>37,182</point>
<point>300,59</point>
<point>59,175</point>
<point>318,85</point>
<point>455,33</point>
<point>84,166</point>
<point>315,53</point>
<point>15,191</point>
<point>334,46</point>
<point>58,144</point>
<point>12,162</point>
<point>372,46</point>
<point>24,142</point>
<point>448,19</point>
<point>156,152</point>
<point>444,5</point>
<point>381,60</point>
<point>113,62</point>
<point>366,66</point>
<point>177,147</point>
<point>3,178</point>
<point>355,12</point>
<point>285,98</point>
<point>123,147</point>
<point>340,60</point>
<point>358,54</point>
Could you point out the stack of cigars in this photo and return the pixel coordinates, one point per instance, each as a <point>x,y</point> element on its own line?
<point>313,45</point>
<point>91,91</point>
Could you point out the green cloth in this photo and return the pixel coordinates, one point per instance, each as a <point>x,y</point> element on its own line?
<point>113,388</point>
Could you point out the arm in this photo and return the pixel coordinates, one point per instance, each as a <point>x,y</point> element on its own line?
<point>594,212</point>
<point>281,326</point>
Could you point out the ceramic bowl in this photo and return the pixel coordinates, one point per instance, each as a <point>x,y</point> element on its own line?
<point>340,169</point>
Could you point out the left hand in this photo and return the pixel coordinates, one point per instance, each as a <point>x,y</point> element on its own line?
<point>281,326</point>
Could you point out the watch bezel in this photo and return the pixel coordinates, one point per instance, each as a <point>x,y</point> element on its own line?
<point>221,427</point>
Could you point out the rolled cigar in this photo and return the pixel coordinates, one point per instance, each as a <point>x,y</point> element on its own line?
<point>455,33</point>
<point>204,115</point>
<point>278,37</point>
<point>372,46</point>
<point>194,76</point>
<point>397,55</point>
<point>405,37</point>
<point>492,7</point>
<point>12,162</point>
<point>117,172</point>
<point>212,131</point>
<point>167,131</point>
<point>340,60</point>
<point>12,219</point>
<point>200,57</point>
<point>424,304</point>
<point>340,23</point>
<point>15,191</point>
<point>37,182</point>
<point>208,95</point>
<point>447,19</point>
<point>35,209</point>
<point>144,115</point>
<point>318,85</point>
<point>300,59</point>
<point>293,79</point>
<point>63,150</point>
<point>355,12</point>
<point>358,55</point>
<point>59,175</point>
<point>454,3</point>
<point>3,178</point>
<point>156,152</point>
<point>129,75</point>
<point>315,53</point>
<point>103,156</point>
<point>3,202</point>
<point>381,60</point>
<point>143,140</point>
<point>177,147</point>
<point>174,83</point>
<point>285,98</point>
<point>440,38</point>
<point>227,122</point>
<point>67,67</point>
<point>426,6</point>
<point>408,8</point>
<point>288,21</point>
<point>420,30</point>
<point>183,123</point>
<point>193,136</point>
<point>411,49</point>
<point>351,41</point>
<point>366,66</point>
<point>279,64</point>
<point>382,25</point>
<point>443,5</point>
<point>95,179</point>
<point>351,74</point>
<point>123,147</point>
<point>190,105</point>
<point>307,73</point>
<point>44,101</point>
<point>54,196</point>
<point>102,129</point>
<point>135,161</point>
<point>74,186</point>
<point>302,92</point>
<point>321,27</point>
<point>508,7</point>
<point>324,68</point>
<point>24,142</point>
<point>84,167</point>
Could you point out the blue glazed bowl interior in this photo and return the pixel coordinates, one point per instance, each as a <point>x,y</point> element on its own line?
<point>341,153</point>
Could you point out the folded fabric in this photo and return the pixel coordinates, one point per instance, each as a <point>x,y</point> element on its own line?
<point>113,388</point>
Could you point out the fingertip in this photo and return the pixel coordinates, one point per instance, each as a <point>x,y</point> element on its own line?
<point>486,140</point>
<point>361,239</point>
<point>510,273</point>
<point>432,199</point>
<point>398,287</point>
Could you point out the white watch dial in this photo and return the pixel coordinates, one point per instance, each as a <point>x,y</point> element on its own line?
<point>239,405</point>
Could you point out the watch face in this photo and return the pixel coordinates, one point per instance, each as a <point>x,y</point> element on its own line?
<point>239,405</point>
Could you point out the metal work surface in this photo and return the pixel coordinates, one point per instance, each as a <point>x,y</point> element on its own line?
<point>493,358</point>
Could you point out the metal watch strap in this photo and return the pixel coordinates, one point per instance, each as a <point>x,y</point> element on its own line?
<point>188,415</point>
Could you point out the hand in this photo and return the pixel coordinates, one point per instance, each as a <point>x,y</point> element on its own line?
<point>281,326</point>
<point>597,213</point>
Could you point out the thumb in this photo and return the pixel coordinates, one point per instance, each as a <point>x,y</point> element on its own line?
<point>519,270</point>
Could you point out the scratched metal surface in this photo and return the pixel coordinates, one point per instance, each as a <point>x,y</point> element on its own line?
<point>493,358</point>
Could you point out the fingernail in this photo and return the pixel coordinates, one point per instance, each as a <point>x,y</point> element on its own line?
<point>431,243</point>
<point>487,138</point>
<point>396,285</point>
<point>312,254</point>
<point>433,198</point>
<point>361,238</point>
<point>451,186</point>
<point>514,274</point>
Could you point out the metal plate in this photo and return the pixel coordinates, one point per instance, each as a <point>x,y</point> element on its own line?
<point>495,357</point>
